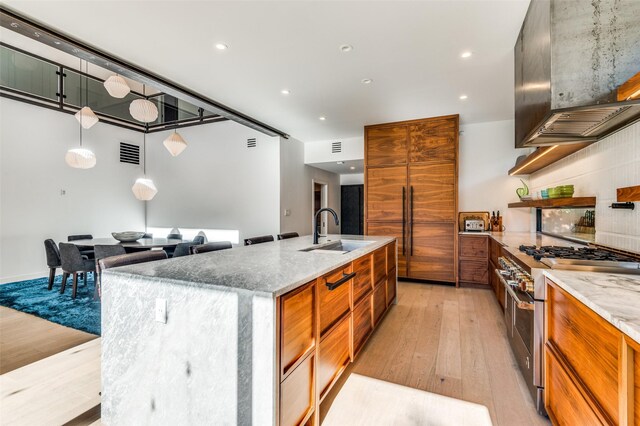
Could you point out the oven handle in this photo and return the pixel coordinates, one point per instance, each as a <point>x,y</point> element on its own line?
<point>520,304</point>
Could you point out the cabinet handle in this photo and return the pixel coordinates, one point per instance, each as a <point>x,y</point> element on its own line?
<point>411,220</point>
<point>344,279</point>
<point>404,213</point>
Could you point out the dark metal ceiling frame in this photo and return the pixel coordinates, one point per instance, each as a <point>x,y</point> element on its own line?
<point>40,32</point>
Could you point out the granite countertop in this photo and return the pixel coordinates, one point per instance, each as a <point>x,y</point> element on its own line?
<point>615,297</point>
<point>272,268</point>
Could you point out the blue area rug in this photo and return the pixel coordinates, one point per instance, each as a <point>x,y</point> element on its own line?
<point>32,297</point>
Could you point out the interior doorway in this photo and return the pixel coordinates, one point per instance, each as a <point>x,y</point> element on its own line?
<point>320,195</point>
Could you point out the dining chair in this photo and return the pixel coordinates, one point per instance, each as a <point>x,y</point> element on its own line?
<point>170,250</point>
<point>174,236</point>
<point>131,259</point>
<point>198,240</point>
<point>287,235</point>
<point>147,235</point>
<point>258,240</point>
<point>215,246</point>
<point>182,249</point>
<point>102,252</point>
<point>85,250</point>
<point>74,263</point>
<point>53,259</point>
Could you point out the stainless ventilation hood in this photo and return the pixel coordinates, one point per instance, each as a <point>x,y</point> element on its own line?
<point>570,58</point>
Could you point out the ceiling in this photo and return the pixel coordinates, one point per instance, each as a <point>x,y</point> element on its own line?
<point>410,49</point>
<point>341,167</point>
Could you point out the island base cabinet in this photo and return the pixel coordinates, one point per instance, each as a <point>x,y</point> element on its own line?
<point>297,399</point>
<point>391,287</point>
<point>379,301</point>
<point>333,355</point>
<point>362,323</point>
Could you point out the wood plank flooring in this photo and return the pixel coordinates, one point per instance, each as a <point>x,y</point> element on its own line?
<point>25,339</point>
<point>55,390</point>
<point>450,342</point>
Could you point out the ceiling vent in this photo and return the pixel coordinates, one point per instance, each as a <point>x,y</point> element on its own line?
<point>129,153</point>
<point>336,147</point>
<point>252,143</point>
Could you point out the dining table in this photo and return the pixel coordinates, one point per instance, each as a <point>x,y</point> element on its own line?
<point>143,243</point>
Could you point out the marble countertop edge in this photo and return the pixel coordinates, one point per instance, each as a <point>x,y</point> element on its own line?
<point>614,297</point>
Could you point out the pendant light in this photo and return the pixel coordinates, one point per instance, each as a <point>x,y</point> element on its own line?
<point>144,189</point>
<point>85,116</point>
<point>117,86</point>
<point>80,158</point>
<point>175,144</point>
<point>143,110</point>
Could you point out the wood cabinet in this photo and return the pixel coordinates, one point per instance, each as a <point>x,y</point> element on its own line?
<point>473,263</point>
<point>590,366</point>
<point>322,327</point>
<point>411,192</point>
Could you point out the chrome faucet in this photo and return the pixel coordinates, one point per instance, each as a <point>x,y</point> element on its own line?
<point>315,222</point>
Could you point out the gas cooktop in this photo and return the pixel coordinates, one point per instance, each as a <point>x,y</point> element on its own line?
<point>583,258</point>
<point>581,253</point>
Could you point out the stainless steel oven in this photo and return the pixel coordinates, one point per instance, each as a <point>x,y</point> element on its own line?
<point>525,338</point>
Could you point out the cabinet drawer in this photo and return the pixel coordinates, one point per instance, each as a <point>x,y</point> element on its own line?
<point>379,301</point>
<point>391,287</point>
<point>333,355</point>
<point>296,394</point>
<point>587,343</point>
<point>474,271</point>
<point>379,265</point>
<point>362,280</point>
<point>333,304</point>
<point>564,402</point>
<point>391,256</point>
<point>362,323</point>
<point>475,247</point>
<point>297,322</point>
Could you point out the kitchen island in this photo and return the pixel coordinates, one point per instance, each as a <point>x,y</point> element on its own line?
<point>251,335</point>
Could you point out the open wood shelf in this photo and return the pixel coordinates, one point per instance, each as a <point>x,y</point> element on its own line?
<point>544,156</point>
<point>551,203</point>
<point>628,194</point>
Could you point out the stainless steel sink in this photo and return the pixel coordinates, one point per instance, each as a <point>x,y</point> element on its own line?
<point>339,247</point>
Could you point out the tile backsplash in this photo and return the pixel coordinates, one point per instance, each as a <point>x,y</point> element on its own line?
<point>599,170</point>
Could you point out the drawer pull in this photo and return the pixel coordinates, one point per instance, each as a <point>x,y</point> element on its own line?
<point>344,279</point>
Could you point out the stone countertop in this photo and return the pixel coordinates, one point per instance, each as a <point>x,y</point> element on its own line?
<point>615,297</point>
<point>272,268</point>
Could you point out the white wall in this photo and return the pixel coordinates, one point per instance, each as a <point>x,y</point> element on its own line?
<point>487,152</point>
<point>599,170</point>
<point>352,179</point>
<point>296,191</point>
<point>320,151</point>
<point>98,201</point>
<point>216,182</point>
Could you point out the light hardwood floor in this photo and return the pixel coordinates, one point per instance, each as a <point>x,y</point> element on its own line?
<point>25,339</point>
<point>450,342</point>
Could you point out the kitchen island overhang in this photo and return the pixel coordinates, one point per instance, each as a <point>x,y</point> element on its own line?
<point>217,357</point>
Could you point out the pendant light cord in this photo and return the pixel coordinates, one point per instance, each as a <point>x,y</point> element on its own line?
<point>81,115</point>
<point>144,141</point>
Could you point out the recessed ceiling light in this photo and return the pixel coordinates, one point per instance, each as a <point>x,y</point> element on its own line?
<point>346,48</point>
<point>37,34</point>
<point>14,25</point>
<point>466,54</point>
<point>285,92</point>
<point>221,46</point>
<point>366,81</point>
<point>352,167</point>
<point>340,162</point>
<point>56,42</point>
<point>463,97</point>
<point>322,118</point>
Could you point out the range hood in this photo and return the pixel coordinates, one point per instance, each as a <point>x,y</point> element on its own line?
<point>570,59</point>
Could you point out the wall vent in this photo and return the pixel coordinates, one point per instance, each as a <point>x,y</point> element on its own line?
<point>336,147</point>
<point>129,153</point>
<point>252,143</point>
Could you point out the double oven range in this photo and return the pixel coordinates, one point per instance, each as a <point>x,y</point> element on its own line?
<point>520,272</point>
